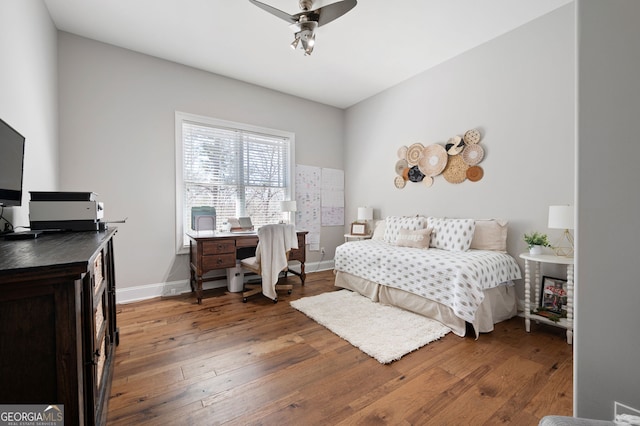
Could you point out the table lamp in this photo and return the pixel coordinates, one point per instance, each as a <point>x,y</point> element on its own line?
<point>287,207</point>
<point>561,217</point>
<point>365,214</point>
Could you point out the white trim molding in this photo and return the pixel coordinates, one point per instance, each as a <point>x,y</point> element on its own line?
<point>173,288</point>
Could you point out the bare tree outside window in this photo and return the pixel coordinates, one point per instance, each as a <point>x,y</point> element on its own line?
<point>239,172</point>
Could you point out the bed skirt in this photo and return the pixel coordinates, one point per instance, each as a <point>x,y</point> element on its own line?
<point>498,305</point>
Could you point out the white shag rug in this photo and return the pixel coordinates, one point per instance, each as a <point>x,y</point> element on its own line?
<point>383,332</point>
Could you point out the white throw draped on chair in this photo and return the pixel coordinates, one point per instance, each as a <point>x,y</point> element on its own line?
<point>274,242</point>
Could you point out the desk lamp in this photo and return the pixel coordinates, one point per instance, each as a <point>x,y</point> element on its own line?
<point>287,207</point>
<point>561,217</point>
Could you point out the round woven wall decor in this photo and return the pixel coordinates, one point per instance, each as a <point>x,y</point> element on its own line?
<point>455,145</point>
<point>475,173</point>
<point>471,137</point>
<point>399,182</point>
<point>473,154</point>
<point>433,160</point>
<point>413,154</point>
<point>456,169</point>
<point>400,166</point>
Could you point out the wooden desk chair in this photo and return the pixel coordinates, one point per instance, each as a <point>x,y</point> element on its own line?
<point>272,257</point>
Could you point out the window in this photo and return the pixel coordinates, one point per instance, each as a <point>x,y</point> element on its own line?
<point>239,169</point>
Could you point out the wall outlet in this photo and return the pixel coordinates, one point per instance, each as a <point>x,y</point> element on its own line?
<point>322,250</point>
<point>619,408</point>
<point>173,291</point>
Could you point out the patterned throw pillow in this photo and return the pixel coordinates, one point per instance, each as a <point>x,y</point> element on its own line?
<point>451,234</point>
<point>416,239</point>
<point>393,225</point>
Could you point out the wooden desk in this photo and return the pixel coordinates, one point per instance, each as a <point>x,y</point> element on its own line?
<point>212,250</point>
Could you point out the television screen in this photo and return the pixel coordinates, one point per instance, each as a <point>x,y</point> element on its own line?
<point>11,165</point>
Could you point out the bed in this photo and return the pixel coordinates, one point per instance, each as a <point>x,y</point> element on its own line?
<point>455,271</point>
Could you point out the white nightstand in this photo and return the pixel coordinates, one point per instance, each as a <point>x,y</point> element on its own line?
<point>535,260</point>
<point>351,237</point>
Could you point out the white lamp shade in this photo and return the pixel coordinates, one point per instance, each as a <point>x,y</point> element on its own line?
<point>288,206</point>
<point>365,213</point>
<point>561,217</point>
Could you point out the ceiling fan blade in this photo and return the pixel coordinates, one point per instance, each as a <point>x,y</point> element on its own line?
<point>276,12</point>
<point>334,11</point>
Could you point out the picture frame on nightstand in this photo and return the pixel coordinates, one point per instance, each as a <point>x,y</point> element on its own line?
<point>358,228</point>
<point>553,296</point>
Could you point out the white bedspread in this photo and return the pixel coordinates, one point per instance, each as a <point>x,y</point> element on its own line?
<point>455,279</point>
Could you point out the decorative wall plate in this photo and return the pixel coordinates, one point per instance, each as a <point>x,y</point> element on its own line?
<point>473,154</point>
<point>399,182</point>
<point>427,181</point>
<point>471,137</point>
<point>400,166</point>
<point>456,169</point>
<point>475,173</point>
<point>415,175</point>
<point>433,160</point>
<point>455,145</point>
<point>413,154</point>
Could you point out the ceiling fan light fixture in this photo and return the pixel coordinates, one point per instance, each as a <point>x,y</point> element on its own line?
<point>305,23</point>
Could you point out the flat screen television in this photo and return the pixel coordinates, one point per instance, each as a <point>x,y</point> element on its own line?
<point>11,165</point>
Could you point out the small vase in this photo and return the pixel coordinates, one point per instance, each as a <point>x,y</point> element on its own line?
<point>535,250</point>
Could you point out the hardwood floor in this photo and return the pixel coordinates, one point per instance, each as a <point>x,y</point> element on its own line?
<point>228,362</point>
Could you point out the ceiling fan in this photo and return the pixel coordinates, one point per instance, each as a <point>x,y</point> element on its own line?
<point>305,23</point>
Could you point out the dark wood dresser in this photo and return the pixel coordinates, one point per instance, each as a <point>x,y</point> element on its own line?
<point>58,328</point>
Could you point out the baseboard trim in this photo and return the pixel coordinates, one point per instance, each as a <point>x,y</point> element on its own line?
<point>174,288</point>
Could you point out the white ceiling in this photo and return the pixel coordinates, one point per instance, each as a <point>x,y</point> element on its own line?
<point>376,45</point>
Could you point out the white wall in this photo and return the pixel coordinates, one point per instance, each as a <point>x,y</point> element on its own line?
<point>28,94</point>
<point>117,139</point>
<point>607,339</point>
<point>518,90</point>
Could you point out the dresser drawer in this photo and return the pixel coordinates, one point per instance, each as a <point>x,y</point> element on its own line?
<point>219,261</point>
<point>99,317</point>
<point>97,273</point>
<point>218,247</point>
<point>100,358</point>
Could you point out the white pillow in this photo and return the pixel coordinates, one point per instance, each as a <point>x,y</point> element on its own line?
<point>393,225</point>
<point>416,239</point>
<point>490,234</point>
<point>378,230</point>
<point>451,234</point>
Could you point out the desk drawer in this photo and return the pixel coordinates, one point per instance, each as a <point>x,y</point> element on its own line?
<point>218,247</point>
<point>219,261</point>
<point>247,242</point>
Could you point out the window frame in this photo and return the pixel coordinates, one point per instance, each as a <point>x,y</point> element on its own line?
<point>182,245</point>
